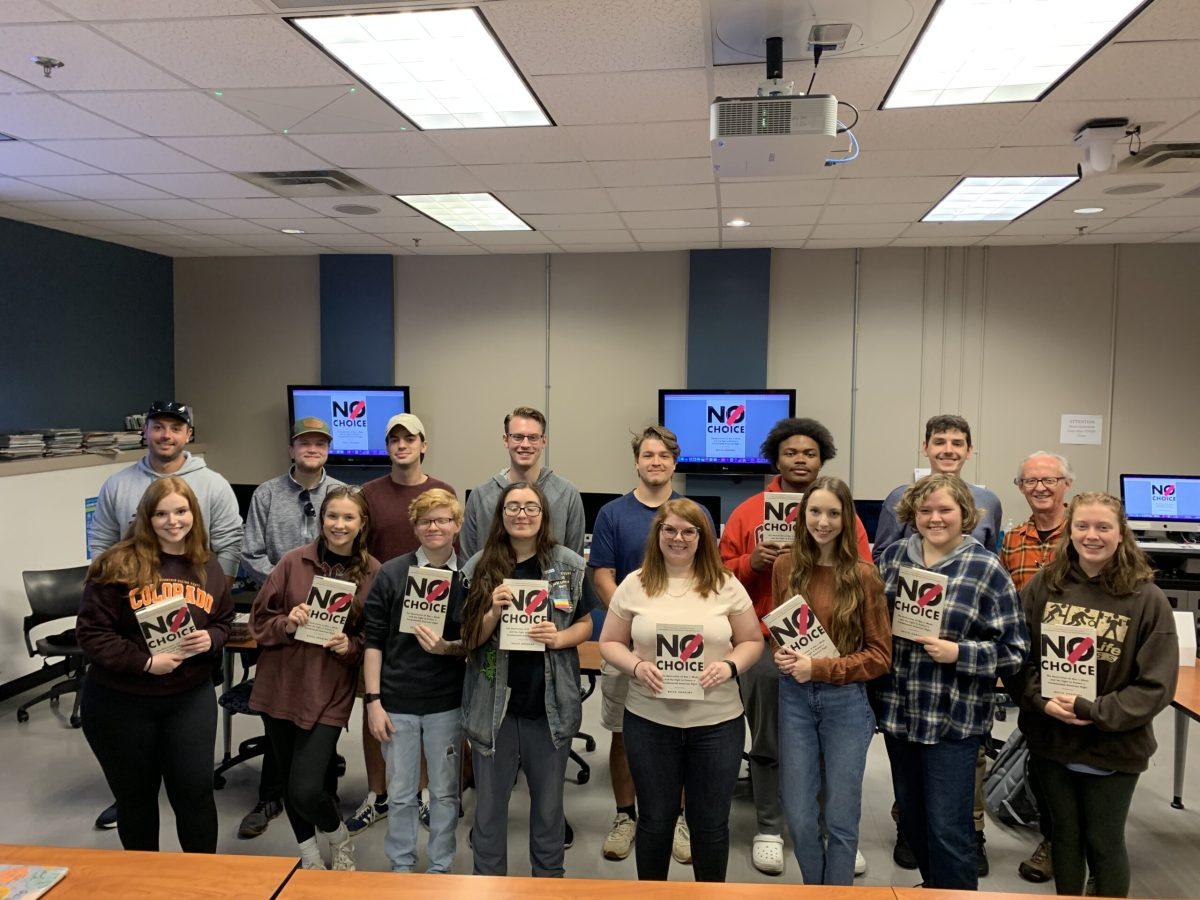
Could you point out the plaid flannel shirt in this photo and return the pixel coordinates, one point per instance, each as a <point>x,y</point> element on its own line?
<point>1024,554</point>
<point>924,701</point>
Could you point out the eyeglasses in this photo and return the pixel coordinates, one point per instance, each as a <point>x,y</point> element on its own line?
<point>1032,482</point>
<point>441,522</point>
<point>525,438</point>
<point>670,532</point>
<point>512,510</point>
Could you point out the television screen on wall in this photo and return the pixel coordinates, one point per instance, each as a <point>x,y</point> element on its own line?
<point>356,415</point>
<point>720,432</point>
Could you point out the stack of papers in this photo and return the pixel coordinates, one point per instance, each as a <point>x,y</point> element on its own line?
<point>129,440</point>
<point>63,441</point>
<point>22,445</point>
<point>100,442</point>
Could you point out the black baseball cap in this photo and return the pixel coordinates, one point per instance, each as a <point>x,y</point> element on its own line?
<point>172,408</point>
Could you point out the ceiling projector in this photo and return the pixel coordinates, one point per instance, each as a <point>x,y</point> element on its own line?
<point>778,135</point>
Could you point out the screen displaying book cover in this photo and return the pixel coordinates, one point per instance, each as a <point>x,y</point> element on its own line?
<point>357,418</point>
<point>1162,498</point>
<point>164,625</point>
<point>531,604</point>
<point>679,658</point>
<point>780,514</point>
<point>329,602</point>
<point>794,626</point>
<point>1068,660</point>
<point>920,602</point>
<point>28,882</point>
<point>722,431</point>
<point>426,599</point>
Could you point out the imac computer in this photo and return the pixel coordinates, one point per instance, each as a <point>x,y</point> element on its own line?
<point>1156,505</point>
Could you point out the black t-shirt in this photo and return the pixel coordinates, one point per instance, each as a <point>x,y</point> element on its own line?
<point>1044,536</point>
<point>527,668</point>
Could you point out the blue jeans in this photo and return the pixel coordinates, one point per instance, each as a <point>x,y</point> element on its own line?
<point>823,727</point>
<point>935,789</point>
<point>440,734</point>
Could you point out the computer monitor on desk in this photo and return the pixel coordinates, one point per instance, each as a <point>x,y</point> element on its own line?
<point>1157,504</point>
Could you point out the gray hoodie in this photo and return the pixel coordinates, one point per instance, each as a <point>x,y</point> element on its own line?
<point>566,512</point>
<point>276,522</point>
<point>120,494</point>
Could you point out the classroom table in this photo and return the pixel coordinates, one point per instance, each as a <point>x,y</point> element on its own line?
<point>589,658</point>
<point>1187,707</point>
<point>131,874</point>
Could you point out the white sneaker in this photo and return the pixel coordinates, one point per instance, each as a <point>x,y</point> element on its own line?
<point>860,864</point>
<point>681,847</point>
<point>341,850</point>
<point>619,841</point>
<point>310,855</point>
<point>767,854</point>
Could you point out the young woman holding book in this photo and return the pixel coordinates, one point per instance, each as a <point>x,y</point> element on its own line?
<point>521,708</point>
<point>675,746</point>
<point>152,718</point>
<point>1087,754</point>
<point>825,721</point>
<point>304,690</point>
<point>936,703</point>
<point>414,684</point>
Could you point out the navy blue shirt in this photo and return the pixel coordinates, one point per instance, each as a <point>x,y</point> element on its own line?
<point>619,536</point>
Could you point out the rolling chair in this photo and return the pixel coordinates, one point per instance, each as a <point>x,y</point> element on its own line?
<point>55,594</point>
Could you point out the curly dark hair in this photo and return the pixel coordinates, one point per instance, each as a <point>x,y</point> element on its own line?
<point>789,428</point>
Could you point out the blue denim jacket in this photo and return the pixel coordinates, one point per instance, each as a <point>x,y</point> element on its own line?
<point>486,691</point>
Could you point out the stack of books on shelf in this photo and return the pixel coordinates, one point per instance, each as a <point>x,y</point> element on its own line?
<point>63,441</point>
<point>129,440</point>
<point>21,445</point>
<point>99,442</point>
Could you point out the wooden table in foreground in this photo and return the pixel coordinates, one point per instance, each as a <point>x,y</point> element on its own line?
<point>125,873</point>
<point>1187,707</point>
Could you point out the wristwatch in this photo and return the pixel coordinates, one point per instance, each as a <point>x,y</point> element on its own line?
<point>369,698</point>
<point>732,667</point>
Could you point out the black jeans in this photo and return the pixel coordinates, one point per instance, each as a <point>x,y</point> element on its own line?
<point>1087,826</point>
<point>702,762</point>
<point>304,758</point>
<point>143,743</point>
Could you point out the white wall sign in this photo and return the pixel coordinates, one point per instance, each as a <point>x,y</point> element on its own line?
<point>1080,429</point>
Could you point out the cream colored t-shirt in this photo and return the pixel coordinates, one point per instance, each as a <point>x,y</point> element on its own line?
<point>645,614</point>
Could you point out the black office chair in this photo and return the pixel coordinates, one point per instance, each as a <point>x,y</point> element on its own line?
<point>55,594</point>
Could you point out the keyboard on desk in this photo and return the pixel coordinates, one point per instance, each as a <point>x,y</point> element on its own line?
<point>1169,547</point>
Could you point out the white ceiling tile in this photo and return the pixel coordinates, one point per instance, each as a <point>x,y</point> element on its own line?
<point>862,230</point>
<point>137,156</point>
<point>420,180</point>
<point>1055,122</point>
<point>84,230</point>
<point>937,231</point>
<point>166,209</point>
<point>386,204</point>
<point>765,236</point>
<point>463,250</point>
<point>92,61</point>
<point>506,238</point>
<point>585,201</point>
<point>1154,69</point>
<point>523,248</point>
<point>1020,240</point>
<point>935,241</point>
<point>674,235</point>
<point>855,213</point>
<point>1027,225</point>
<point>1170,185</point>
<point>1179,206</point>
<point>603,247</point>
<point>1161,225</point>
<point>936,128</point>
<point>912,163</point>
<point>350,239</point>
<point>275,241</point>
<point>264,153</point>
<point>534,176</point>
<point>145,227</point>
<point>330,109</point>
<point>443,237</point>
<point>207,186</point>
<point>568,238</point>
<point>505,145</point>
<point>248,51</point>
<point>263,208</point>
<point>656,247</point>
<point>309,225</point>
<point>1065,209</point>
<point>572,221</point>
<point>13,190</point>
<point>29,11</point>
<point>633,173</point>
<point>773,215</point>
<point>219,226</point>
<point>410,224</point>
<point>844,243</point>
<point>1187,237</point>
<point>356,110</point>
<point>1163,20</point>
<point>657,140</point>
<point>43,117</point>
<point>99,187</point>
<point>1186,131</point>
<point>167,113</point>
<point>809,192</point>
<point>194,241</point>
<point>20,158</point>
<point>82,210</point>
<point>368,151</point>
<point>861,80</point>
<point>611,97</point>
<point>1026,161</point>
<point>553,36</point>
<point>1111,238</point>
<point>99,10</point>
<point>11,85</point>
<point>681,196</point>
<point>671,218</point>
<point>890,190</point>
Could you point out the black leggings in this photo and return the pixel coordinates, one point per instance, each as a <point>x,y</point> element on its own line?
<point>145,742</point>
<point>1087,824</point>
<point>304,758</point>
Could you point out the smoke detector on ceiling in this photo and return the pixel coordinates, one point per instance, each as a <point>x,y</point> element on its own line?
<point>356,209</point>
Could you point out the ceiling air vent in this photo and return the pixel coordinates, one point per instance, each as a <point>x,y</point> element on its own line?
<point>308,183</point>
<point>1183,158</point>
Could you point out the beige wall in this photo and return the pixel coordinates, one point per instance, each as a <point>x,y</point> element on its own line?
<point>245,328</point>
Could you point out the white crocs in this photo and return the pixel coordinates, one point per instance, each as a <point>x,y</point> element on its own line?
<point>767,854</point>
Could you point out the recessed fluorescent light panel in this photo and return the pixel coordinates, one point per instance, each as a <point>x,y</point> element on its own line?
<point>997,51</point>
<point>996,199</point>
<point>441,68</point>
<point>466,212</point>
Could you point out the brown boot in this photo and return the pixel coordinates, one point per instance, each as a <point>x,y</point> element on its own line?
<point>1037,868</point>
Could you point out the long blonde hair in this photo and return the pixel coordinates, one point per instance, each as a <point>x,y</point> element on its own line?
<point>136,560</point>
<point>845,626</point>
<point>707,570</point>
<point>1122,574</point>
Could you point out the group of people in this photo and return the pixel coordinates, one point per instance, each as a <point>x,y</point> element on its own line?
<point>442,711</point>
